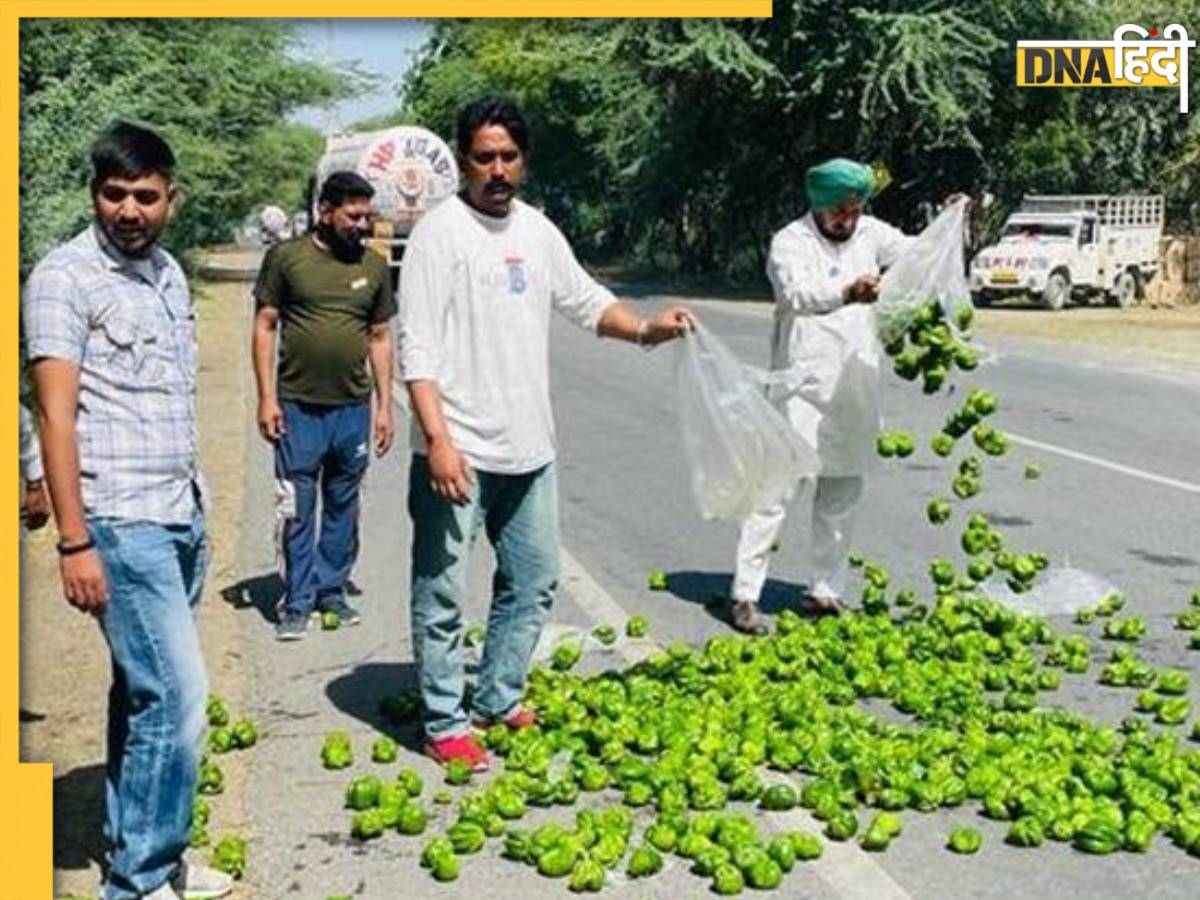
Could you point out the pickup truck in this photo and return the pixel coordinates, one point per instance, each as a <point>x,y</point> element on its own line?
<point>1083,248</point>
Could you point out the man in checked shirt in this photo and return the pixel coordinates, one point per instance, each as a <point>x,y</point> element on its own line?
<point>112,342</point>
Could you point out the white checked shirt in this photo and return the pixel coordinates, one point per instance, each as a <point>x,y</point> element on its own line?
<point>129,325</point>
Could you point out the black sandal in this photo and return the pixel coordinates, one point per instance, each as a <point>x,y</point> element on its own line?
<point>823,606</point>
<point>745,617</point>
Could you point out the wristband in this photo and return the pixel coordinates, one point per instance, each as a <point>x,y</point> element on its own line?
<point>72,549</point>
<point>640,340</point>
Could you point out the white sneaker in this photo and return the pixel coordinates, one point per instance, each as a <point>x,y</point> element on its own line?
<point>194,882</point>
<point>162,892</point>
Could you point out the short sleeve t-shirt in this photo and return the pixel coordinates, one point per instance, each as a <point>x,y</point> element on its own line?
<point>476,294</point>
<point>326,308</point>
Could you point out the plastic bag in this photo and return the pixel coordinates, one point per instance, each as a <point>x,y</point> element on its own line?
<point>1060,591</point>
<point>830,394</point>
<point>743,454</point>
<point>556,633</point>
<point>931,267</point>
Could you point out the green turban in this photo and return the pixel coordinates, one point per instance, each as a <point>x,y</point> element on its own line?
<point>836,180</point>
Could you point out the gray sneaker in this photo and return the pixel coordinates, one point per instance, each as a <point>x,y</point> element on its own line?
<point>194,882</point>
<point>292,625</point>
<point>340,608</point>
<point>162,892</point>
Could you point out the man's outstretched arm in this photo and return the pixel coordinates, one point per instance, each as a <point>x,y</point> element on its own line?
<point>621,322</point>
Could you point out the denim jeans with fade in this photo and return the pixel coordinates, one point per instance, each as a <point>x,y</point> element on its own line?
<point>519,514</point>
<point>156,702</point>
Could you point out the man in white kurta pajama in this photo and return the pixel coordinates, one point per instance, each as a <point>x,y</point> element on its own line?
<point>824,268</point>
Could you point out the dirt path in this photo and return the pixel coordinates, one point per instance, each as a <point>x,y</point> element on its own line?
<point>64,662</point>
<point>1164,336</point>
<point>1169,336</point>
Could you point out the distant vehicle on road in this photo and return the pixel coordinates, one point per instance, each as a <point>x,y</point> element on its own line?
<point>273,225</point>
<point>1082,247</point>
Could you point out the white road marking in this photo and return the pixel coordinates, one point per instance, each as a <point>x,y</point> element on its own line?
<point>401,396</point>
<point>848,870</point>
<point>1176,483</point>
<point>598,604</point>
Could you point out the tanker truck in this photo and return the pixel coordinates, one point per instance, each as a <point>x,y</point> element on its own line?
<point>411,169</point>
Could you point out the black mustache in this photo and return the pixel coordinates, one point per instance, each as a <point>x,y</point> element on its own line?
<point>498,185</point>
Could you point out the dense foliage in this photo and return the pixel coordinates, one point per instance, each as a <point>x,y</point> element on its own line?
<point>680,145</point>
<point>218,90</point>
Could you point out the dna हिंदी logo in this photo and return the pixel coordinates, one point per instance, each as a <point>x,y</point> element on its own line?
<point>1134,57</point>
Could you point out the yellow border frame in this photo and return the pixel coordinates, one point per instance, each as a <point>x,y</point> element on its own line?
<point>26,840</point>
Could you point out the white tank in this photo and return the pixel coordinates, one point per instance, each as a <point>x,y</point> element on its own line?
<point>411,169</point>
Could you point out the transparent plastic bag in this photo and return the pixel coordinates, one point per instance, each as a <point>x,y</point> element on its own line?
<point>743,453</point>
<point>1059,591</point>
<point>930,267</point>
<point>556,633</point>
<point>560,766</point>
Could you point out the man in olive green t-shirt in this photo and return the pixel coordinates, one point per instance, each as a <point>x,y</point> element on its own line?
<point>334,301</point>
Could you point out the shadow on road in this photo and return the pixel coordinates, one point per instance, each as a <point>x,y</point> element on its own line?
<point>79,817</point>
<point>359,692</point>
<point>263,592</point>
<point>260,592</point>
<point>1169,560</point>
<point>711,590</point>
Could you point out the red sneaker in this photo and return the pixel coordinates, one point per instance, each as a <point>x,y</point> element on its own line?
<point>461,746</point>
<point>520,717</point>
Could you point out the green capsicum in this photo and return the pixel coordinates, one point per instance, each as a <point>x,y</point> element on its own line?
<point>229,856</point>
<point>965,840</point>
<point>728,880</point>
<point>778,797</point>
<point>363,792</point>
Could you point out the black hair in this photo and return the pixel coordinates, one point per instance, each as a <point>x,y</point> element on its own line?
<point>129,151</point>
<point>342,186</point>
<point>492,111</point>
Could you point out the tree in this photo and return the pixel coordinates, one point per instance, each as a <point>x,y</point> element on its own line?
<point>218,90</point>
<point>681,144</point>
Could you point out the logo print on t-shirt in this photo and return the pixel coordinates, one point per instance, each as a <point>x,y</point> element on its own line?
<point>517,280</point>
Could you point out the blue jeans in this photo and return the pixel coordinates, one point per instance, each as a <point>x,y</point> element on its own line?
<point>324,449</point>
<point>156,703</point>
<point>520,516</point>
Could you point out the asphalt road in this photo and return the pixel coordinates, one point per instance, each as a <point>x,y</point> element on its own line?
<point>1120,497</point>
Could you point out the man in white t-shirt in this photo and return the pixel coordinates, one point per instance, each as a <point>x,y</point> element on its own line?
<point>821,266</point>
<point>482,273</point>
